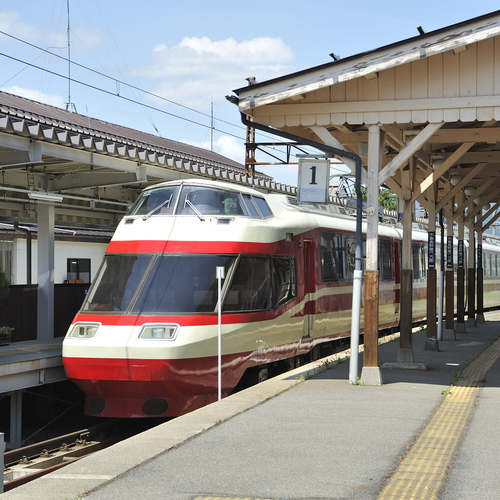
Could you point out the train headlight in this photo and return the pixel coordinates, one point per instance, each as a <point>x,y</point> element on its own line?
<point>84,331</point>
<point>158,332</point>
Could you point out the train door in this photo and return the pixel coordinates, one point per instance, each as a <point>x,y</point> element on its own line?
<point>309,287</point>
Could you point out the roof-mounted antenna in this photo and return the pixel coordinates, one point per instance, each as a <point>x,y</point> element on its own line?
<point>421,30</point>
<point>69,105</point>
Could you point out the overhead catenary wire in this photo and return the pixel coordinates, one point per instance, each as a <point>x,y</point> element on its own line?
<point>152,94</point>
<point>118,94</point>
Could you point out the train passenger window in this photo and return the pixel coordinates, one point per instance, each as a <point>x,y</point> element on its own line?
<point>419,260</point>
<point>116,282</point>
<point>284,280</point>
<point>209,201</point>
<point>159,201</point>
<point>385,259</point>
<point>251,287</point>
<point>487,264</point>
<point>252,209</point>
<point>263,207</point>
<point>333,257</point>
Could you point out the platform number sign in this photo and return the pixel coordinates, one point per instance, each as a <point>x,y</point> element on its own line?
<point>313,181</point>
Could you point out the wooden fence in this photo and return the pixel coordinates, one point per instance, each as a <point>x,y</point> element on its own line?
<point>20,309</point>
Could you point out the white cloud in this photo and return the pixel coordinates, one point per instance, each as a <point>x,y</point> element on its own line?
<point>36,95</point>
<point>199,69</point>
<point>225,145</point>
<point>10,24</point>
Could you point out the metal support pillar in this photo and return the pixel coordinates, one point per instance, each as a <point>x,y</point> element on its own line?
<point>471,281</point>
<point>16,413</point>
<point>480,289</point>
<point>45,301</point>
<point>370,374</point>
<point>449,326</point>
<point>460,324</point>
<point>431,343</point>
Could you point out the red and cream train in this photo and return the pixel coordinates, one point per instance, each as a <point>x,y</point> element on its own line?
<point>145,342</point>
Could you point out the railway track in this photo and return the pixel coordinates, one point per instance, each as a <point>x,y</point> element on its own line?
<point>30,462</point>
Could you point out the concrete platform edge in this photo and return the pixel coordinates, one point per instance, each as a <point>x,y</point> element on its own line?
<point>93,472</point>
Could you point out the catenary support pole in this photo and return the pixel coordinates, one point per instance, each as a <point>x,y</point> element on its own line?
<point>220,277</point>
<point>356,296</point>
<point>441,280</point>
<point>471,279</point>
<point>449,328</point>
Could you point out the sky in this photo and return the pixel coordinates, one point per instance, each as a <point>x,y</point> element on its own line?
<point>165,67</point>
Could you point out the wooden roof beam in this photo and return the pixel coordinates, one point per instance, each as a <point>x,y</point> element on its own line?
<point>441,170</point>
<point>408,151</point>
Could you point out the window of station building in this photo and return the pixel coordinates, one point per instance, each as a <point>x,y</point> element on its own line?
<point>78,270</point>
<point>6,258</point>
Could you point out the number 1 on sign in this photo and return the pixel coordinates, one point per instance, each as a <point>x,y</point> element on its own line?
<point>313,174</point>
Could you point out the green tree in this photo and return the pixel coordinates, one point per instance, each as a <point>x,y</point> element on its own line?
<point>386,198</point>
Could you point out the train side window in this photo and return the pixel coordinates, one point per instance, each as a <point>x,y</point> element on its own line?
<point>487,264</point>
<point>419,260</point>
<point>251,287</point>
<point>262,207</point>
<point>252,209</point>
<point>284,280</point>
<point>385,259</point>
<point>333,257</point>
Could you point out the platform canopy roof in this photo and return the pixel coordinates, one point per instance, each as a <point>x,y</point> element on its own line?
<point>98,167</point>
<point>436,99</point>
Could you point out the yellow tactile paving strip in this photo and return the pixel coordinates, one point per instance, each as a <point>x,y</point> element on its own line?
<point>422,472</point>
<point>230,498</point>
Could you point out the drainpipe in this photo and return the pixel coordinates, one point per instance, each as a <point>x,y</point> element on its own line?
<point>27,232</point>
<point>441,280</point>
<point>358,268</point>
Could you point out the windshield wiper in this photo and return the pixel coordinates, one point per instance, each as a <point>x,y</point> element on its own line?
<point>151,212</point>
<point>194,209</point>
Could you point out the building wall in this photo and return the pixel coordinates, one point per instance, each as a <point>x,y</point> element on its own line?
<point>63,250</point>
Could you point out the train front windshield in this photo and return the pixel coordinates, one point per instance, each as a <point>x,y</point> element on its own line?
<point>153,284</point>
<point>173,284</point>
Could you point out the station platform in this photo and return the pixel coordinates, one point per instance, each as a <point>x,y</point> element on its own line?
<point>24,365</point>
<point>29,363</point>
<point>309,434</point>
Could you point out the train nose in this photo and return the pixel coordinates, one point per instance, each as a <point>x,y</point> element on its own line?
<point>153,407</point>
